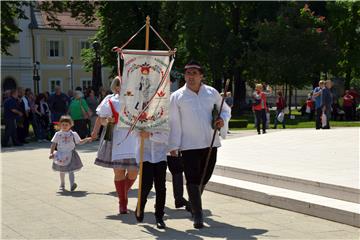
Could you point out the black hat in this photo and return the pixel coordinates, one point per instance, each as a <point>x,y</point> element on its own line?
<point>193,64</point>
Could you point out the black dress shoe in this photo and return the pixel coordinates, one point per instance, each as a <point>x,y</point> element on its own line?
<point>160,223</point>
<point>139,218</point>
<point>180,203</point>
<point>198,221</point>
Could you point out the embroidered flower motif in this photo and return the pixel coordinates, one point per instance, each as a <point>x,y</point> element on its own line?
<point>128,93</point>
<point>145,69</point>
<point>143,117</point>
<point>161,93</point>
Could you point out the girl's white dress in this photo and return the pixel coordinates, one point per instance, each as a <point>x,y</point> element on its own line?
<point>66,159</point>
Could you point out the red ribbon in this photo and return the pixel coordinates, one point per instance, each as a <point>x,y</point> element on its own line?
<point>114,112</point>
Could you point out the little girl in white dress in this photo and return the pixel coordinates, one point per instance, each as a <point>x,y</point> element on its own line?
<point>66,159</point>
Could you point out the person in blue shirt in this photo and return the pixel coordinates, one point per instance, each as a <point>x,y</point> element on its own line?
<point>317,97</point>
<point>11,113</point>
<point>326,102</point>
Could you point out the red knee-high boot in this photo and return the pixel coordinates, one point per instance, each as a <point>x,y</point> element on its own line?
<point>120,188</point>
<point>128,184</point>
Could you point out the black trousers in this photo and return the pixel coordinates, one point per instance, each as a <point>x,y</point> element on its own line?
<point>328,116</point>
<point>194,164</point>
<point>10,132</point>
<point>80,126</point>
<point>27,122</point>
<point>348,113</point>
<point>260,117</point>
<point>175,165</point>
<point>154,173</point>
<point>23,129</point>
<point>318,118</point>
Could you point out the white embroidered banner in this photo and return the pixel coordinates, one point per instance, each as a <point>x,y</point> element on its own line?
<point>145,90</point>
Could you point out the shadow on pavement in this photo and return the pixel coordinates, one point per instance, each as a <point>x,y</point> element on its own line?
<point>149,216</point>
<point>212,228</point>
<point>178,213</point>
<point>226,231</point>
<point>73,194</point>
<point>124,218</point>
<point>132,194</point>
<point>169,233</point>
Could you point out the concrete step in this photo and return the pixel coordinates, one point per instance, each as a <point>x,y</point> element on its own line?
<point>310,204</point>
<point>303,185</point>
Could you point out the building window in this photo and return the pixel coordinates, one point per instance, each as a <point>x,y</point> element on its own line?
<point>83,45</point>
<point>53,83</point>
<point>85,83</point>
<point>54,48</point>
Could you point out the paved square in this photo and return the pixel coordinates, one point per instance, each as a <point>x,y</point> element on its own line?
<point>33,209</point>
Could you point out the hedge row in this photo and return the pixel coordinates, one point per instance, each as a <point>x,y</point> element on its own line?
<point>238,123</point>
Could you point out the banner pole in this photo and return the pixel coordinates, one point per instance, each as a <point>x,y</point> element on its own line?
<point>142,139</point>
<point>140,176</point>
<point>147,33</point>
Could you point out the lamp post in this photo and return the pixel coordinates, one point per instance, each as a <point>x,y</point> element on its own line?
<point>96,78</point>
<point>36,77</point>
<point>71,76</point>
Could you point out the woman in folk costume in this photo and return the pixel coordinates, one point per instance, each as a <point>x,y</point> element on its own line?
<point>116,149</point>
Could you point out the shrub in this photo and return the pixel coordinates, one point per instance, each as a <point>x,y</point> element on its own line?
<point>237,123</point>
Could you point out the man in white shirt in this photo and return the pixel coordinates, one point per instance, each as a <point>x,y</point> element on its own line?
<point>191,132</point>
<point>23,131</point>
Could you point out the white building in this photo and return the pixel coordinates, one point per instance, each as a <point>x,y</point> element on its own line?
<point>53,51</point>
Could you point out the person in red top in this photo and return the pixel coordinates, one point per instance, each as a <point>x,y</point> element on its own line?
<point>354,93</point>
<point>280,106</point>
<point>356,97</point>
<point>260,107</point>
<point>348,105</point>
<point>310,106</point>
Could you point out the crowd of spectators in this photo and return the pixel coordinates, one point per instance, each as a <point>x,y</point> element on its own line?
<point>344,107</point>
<point>22,109</point>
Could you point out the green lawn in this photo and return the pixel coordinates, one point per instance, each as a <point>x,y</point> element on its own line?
<point>298,122</point>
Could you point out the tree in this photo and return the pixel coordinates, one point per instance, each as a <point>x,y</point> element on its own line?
<point>274,42</point>
<point>242,22</point>
<point>10,10</point>
<point>292,48</point>
<point>205,34</point>
<point>344,23</point>
<point>220,34</point>
<point>115,31</point>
